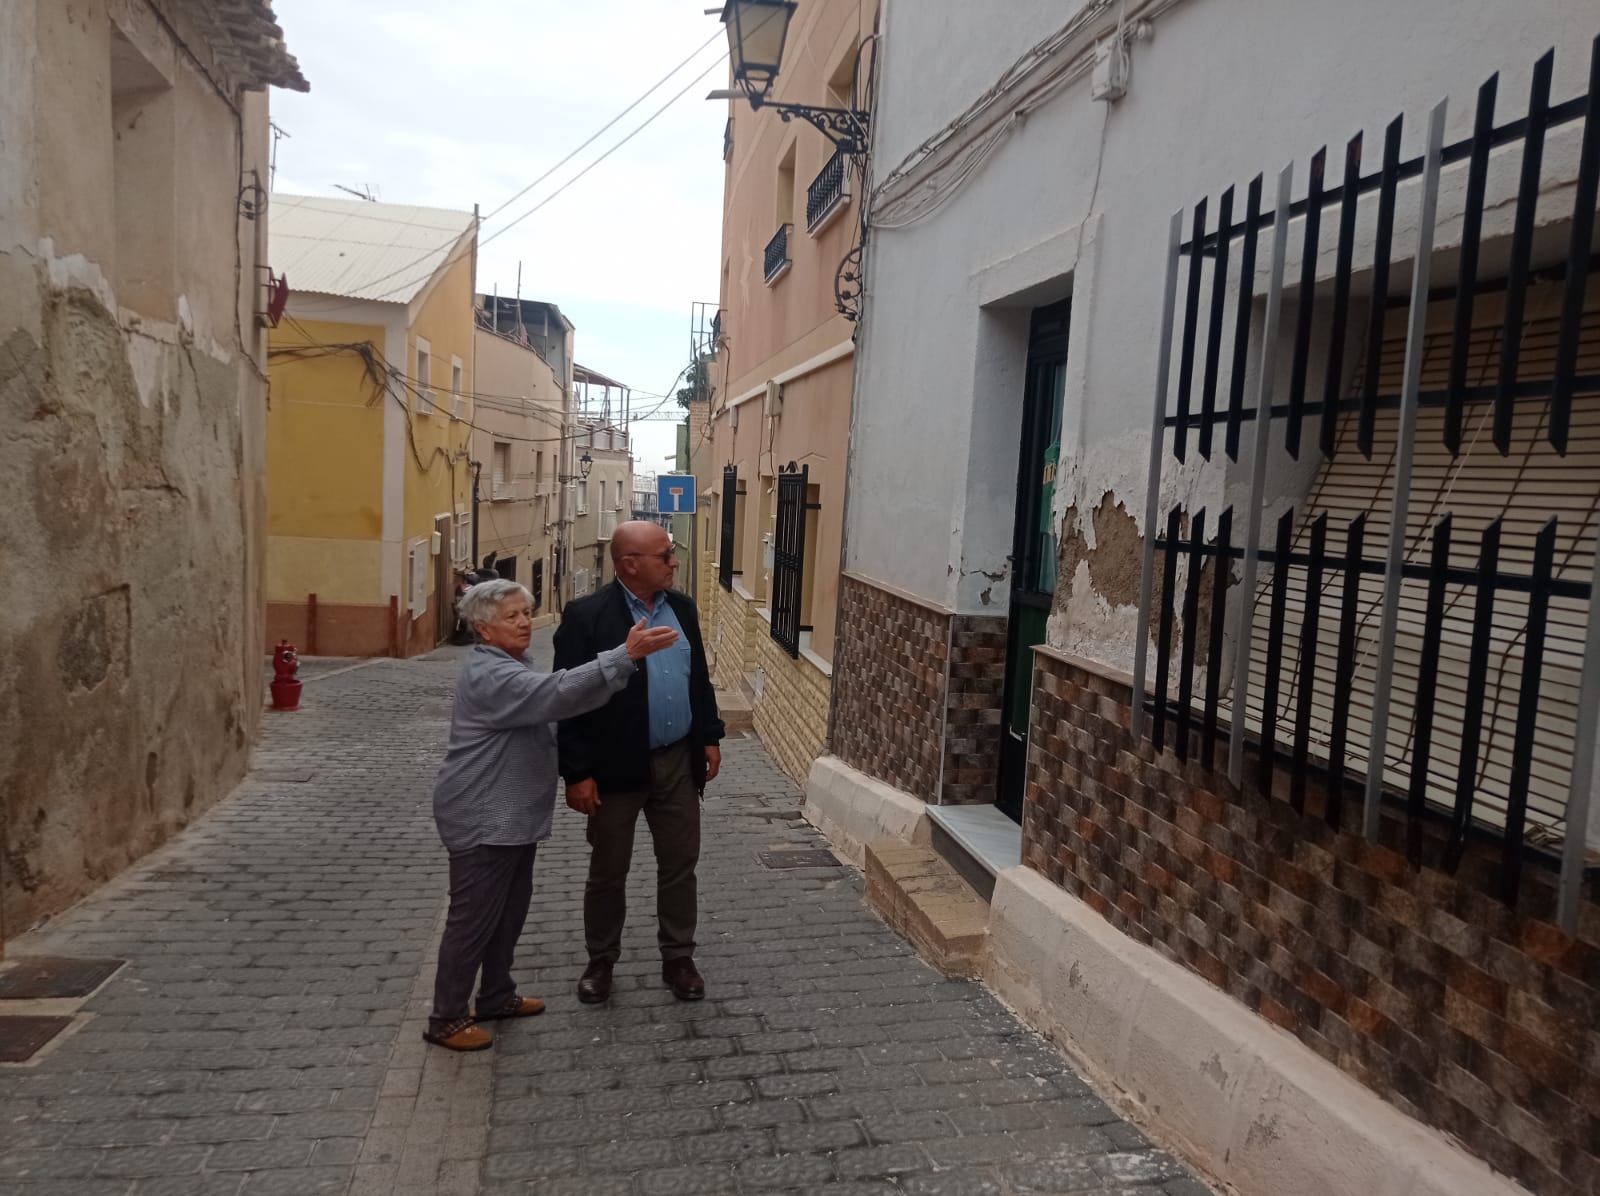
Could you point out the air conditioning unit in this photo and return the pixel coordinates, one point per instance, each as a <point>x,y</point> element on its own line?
<point>773,404</point>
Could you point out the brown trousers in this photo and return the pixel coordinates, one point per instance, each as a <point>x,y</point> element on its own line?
<point>671,808</point>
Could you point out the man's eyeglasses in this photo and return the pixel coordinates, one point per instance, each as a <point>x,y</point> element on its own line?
<point>663,557</point>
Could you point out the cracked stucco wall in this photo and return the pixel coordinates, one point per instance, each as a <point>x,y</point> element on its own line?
<point>132,480</point>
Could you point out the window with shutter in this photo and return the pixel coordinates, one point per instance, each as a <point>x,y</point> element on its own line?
<point>1522,490</point>
<point>501,467</point>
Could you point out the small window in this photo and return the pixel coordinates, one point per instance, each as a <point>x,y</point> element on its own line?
<point>424,379</point>
<point>463,544</point>
<point>602,496</point>
<point>583,498</point>
<point>501,475</point>
<point>458,402</point>
<point>538,466</point>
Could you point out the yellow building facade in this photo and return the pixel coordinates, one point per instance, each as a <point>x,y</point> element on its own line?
<point>369,474</point>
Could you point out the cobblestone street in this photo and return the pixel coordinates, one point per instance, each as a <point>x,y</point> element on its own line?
<point>264,1035</point>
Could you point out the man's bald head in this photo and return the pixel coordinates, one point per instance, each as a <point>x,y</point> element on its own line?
<point>638,535</point>
<point>642,554</point>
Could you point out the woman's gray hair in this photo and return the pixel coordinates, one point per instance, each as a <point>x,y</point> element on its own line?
<point>481,604</point>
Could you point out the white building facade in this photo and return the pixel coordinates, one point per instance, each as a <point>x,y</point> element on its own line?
<point>1001,584</point>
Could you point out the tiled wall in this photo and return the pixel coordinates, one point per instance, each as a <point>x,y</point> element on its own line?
<point>972,709</point>
<point>889,667</point>
<point>1475,1018</point>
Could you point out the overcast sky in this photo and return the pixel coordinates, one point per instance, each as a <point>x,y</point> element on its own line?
<point>452,105</point>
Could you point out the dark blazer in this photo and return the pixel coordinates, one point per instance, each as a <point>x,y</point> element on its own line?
<point>612,744</point>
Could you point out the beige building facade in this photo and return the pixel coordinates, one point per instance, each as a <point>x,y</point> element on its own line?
<point>133,160</point>
<point>782,384</point>
<point>520,411</point>
<point>600,501</point>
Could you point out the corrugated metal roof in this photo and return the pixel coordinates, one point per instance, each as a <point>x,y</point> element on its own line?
<point>359,250</point>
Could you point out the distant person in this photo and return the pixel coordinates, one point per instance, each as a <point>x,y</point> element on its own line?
<point>495,796</point>
<point>651,749</point>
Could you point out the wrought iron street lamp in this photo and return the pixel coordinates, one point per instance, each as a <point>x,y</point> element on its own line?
<point>757,31</point>
<point>585,464</point>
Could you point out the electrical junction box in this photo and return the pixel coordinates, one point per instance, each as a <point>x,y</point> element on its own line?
<point>1109,78</point>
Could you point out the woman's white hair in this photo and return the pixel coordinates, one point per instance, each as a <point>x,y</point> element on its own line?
<point>481,604</point>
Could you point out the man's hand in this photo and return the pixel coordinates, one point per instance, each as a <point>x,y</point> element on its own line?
<point>713,763</point>
<point>584,796</point>
<point>642,640</point>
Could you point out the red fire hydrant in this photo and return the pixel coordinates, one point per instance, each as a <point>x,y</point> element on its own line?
<point>285,683</point>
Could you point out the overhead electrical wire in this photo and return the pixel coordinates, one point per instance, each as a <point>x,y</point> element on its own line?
<point>501,231</point>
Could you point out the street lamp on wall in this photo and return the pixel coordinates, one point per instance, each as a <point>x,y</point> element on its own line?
<point>585,464</point>
<point>757,31</point>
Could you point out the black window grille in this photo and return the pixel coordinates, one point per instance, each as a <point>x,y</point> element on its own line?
<point>789,558</point>
<point>730,515</point>
<point>1424,633</point>
<point>777,255</point>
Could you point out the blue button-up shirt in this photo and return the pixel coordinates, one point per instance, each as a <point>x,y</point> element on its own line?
<point>666,672</point>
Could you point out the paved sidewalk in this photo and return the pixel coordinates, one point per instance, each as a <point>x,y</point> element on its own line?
<point>264,1037</point>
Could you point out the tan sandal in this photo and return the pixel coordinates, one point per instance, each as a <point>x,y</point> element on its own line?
<point>460,1035</point>
<point>516,1007</point>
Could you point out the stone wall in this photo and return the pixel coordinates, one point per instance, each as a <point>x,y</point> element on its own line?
<point>791,712</point>
<point>1466,1014</point>
<point>130,674</point>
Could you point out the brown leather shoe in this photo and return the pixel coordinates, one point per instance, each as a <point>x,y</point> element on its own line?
<point>684,979</point>
<point>595,984</point>
<point>459,1036</point>
<point>515,1007</point>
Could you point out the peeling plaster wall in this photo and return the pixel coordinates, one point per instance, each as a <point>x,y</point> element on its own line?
<point>131,473</point>
<point>939,369</point>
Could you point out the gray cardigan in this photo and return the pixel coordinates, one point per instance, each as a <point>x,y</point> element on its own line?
<point>497,784</point>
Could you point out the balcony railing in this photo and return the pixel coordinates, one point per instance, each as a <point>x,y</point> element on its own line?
<point>777,258</point>
<point>829,191</point>
<point>608,525</point>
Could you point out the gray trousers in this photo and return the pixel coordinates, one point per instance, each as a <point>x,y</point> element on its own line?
<point>490,887</point>
<point>671,809</point>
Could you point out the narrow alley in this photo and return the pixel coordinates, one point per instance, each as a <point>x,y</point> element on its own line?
<point>264,1035</point>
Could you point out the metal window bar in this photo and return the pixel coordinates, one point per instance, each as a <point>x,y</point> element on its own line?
<point>1333,381</point>
<point>1467,280</point>
<point>1191,632</point>
<point>789,559</point>
<point>1241,327</point>
<point>1306,303</point>
<point>730,519</point>
<point>1426,790</point>
<point>1522,247</point>
<point>1191,315</point>
<point>1583,218</point>
<point>1219,301</point>
<point>827,191</point>
<point>776,258</point>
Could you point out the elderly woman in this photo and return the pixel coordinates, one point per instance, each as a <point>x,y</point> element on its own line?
<point>495,796</point>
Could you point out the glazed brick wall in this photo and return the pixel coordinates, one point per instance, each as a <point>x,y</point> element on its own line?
<point>972,709</point>
<point>890,656</point>
<point>1471,1016</point>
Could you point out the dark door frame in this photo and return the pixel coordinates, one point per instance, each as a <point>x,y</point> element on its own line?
<point>1032,582</point>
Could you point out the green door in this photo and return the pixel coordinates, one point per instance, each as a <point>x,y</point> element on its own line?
<point>1033,548</point>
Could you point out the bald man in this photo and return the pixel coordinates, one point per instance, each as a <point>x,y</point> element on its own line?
<point>650,750</point>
